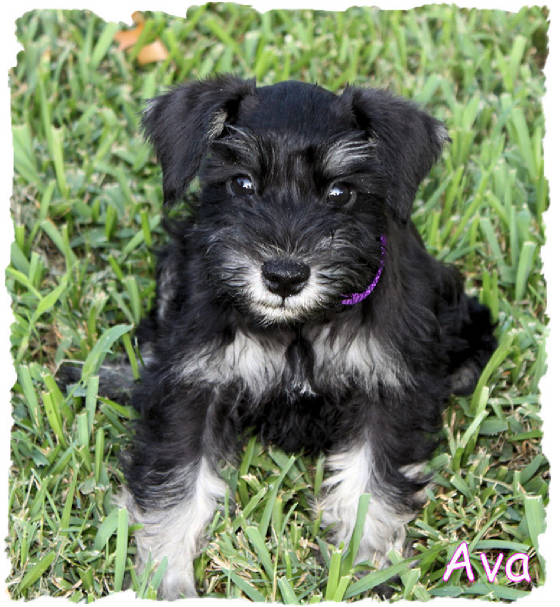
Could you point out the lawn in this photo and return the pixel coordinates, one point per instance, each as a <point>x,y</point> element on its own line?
<point>86,210</point>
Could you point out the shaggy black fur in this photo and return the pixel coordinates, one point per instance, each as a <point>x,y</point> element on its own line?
<point>248,333</point>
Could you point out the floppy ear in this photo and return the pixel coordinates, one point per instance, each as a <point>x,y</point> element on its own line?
<point>409,141</point>
<point>181,123</point>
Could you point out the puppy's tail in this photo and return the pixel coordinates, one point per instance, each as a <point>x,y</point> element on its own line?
<point>477,345</point>
<point>116,380</point>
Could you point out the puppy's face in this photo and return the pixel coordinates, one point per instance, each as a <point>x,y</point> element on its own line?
<point>293,206</point>
<point>298,185</point>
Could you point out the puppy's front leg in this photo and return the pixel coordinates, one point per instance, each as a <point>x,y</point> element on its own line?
<point>175,528</point>
<point>171,470</point>
<point>353,473</point>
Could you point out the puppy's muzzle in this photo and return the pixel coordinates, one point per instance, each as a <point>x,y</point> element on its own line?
<point>285,277</point>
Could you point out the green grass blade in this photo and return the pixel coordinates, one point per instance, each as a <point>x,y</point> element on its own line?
<point>157,578</point>
<point>67,510</point>
<point>37,571</point>
<point>341,588</point>
<point>354,546</point>
<point>102,45</point>
<point>99,453</point>
<point>54,417</point>
<point>333,575</point>
<point>526,262</point>
<point>245,587</point>
<point>288,594</point>
<point>102,347</point>
<point>121,549</point>
<point>258,542</point>
<point>267,514</point>
<point>107,528</point>
<point>499,355</point>
<point>371,580</point>
<point>57,155</point>
<point>535,516</point>
<point>31,400</point>
<point>24,159</point>
<point>48,301</point>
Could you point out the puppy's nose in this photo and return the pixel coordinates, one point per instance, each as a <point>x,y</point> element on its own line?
<point>285,277</point>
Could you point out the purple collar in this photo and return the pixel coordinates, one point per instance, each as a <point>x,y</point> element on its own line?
<point>358,297</point>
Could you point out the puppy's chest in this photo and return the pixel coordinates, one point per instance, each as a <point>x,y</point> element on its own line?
<point>316,363</point>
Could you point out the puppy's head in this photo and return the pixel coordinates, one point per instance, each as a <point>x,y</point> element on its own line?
<point>298,185</point>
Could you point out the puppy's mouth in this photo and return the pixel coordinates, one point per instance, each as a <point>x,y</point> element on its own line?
<point>279,290</point>
<point>273,307</point>
<point>283,290</point>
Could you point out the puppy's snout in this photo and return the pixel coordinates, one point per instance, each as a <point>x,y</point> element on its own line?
<point>285,277</point>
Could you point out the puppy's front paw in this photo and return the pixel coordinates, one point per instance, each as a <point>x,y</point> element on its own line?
<point>177,584</point>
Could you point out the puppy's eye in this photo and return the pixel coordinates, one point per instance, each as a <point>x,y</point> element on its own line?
<point>340,194</point>
<point>242,185</point>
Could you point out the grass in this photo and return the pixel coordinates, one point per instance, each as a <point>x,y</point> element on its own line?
<point>86,204</point>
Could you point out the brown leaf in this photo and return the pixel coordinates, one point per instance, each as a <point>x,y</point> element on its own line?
<point>137,17</point>
<point>128,38</point>
<point>155,51</point>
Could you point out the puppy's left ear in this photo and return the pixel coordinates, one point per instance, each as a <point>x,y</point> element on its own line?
<point>409,141</point>
<point>181,124</point>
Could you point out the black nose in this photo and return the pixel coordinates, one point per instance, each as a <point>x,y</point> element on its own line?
<point>285,277</point>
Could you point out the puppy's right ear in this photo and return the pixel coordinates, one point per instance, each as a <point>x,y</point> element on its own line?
<point>181,124</point>
<point>409,141</point>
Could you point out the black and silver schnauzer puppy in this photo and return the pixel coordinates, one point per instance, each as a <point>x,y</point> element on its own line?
<point>297,302</point>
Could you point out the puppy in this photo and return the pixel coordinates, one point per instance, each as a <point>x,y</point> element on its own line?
<point>297,302</point>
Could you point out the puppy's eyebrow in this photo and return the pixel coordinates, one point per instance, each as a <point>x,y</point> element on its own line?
<point>237,137</point>
<point>241,141</point>
<point>344,154</point>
